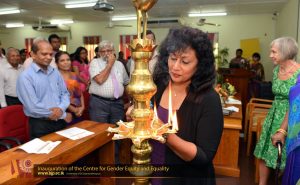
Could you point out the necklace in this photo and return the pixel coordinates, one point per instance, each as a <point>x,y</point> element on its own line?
<point>283,71</point>
<point>174,93</point>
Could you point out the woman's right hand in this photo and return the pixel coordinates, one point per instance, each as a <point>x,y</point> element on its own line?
<point>278,136</point>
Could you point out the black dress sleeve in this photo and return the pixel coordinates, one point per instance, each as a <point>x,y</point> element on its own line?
<point>209,127</point>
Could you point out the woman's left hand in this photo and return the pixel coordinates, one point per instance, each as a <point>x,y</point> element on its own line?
<point>278,136</point>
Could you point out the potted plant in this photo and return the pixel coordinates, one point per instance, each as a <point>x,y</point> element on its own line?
<point>221,61</point>
<point>222,57</point>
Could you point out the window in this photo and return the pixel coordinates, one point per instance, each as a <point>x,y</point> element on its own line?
<point>28,45</point>
<point>90,43</point>
<point>124,42</point>
<point>29,42</point>
<point>63,43</point>
<point>214,38</point>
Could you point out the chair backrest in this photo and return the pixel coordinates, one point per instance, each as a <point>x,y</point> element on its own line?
<point>260,100</point>
<point>256,103</point>
<point>14,123</point>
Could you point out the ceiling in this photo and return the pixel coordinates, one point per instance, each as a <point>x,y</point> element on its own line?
<point>31,10</point>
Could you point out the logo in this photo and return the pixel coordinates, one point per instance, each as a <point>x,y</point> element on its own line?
<point>21,168</point>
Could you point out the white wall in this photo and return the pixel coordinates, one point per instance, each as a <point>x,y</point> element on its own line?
<point>235,28</point>
<point>287,20</point>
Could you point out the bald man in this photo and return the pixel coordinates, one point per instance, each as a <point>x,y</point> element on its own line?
<point>43,93</point>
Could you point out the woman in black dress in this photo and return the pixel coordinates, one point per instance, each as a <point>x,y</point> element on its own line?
<point>187,62</point>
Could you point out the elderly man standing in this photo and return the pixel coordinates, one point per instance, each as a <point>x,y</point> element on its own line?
<point>9,73</point>
<point>43,93</point>
<point>107,86</point>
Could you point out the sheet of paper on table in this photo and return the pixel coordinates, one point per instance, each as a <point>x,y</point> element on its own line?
<point>74,133</point>
<point>231,100</point>
<point>38,146</point>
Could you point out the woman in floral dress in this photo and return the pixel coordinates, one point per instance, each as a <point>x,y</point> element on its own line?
<point>283,53</point>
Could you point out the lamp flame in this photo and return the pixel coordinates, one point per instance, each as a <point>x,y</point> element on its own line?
<point>172,117</point>
<point>174,122</point>
<point>155,116</point>
<point>170,103</point>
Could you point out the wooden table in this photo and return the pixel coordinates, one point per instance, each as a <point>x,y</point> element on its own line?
<point>67,152</point>
<point>226,159</point>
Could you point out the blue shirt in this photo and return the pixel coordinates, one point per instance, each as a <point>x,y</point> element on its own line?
<point>40,91</point>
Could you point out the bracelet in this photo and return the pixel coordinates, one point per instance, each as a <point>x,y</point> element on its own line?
<point>282,131</point>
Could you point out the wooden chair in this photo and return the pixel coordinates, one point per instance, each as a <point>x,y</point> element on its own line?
<point>255,110</point>
<point>260,122</point>
<point>246,121</point>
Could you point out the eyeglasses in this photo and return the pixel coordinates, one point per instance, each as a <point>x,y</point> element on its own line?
<point>106,51</point>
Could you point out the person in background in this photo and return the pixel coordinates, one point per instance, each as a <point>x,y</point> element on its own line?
<point>149,35</point>
<point>2,55</point>
<point>128,64</point>
<point>29,60</point>
<point>283,53</point>
<point>80,66</point>
<point>43,93</point>
<point>55,42</point>
<point>97,52</point>
<point>23,56</point>
<point>107,86</point>
<point>239,61</point>
<point>257,69</point>
<point>9,73</point>
<point>3,52</point>
<point>73,84</point>
<point>289,133</point>
<point>186,61</point>
<point>121,59</point>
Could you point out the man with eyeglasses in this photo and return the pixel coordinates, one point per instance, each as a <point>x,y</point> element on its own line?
<point>108,78</point>
<point>107,85</point>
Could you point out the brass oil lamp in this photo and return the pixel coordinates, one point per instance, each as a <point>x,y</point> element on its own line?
<point>145,124</point>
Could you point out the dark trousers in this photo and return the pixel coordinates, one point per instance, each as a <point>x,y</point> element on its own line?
<point>104,110</point>
<point>39,127</point>
<point>12,100</point>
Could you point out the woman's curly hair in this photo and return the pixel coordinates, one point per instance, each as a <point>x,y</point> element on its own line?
<point>177,40</point>
<point>76,55</point>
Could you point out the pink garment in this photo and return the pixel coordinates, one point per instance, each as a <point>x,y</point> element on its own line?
<point>83,70</point>
<point>115,84</point>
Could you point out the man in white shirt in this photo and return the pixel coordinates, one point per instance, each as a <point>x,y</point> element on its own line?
<point>152,62</point>
<point>109,77</point>
<point>9,73</point>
